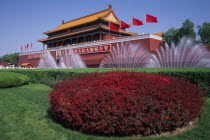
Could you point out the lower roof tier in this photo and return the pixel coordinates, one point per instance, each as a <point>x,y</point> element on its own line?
<point>99,28</point>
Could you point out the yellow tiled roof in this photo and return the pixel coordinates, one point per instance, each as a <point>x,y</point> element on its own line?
<point>82,20</point>
<point>90,29</point>
<point>159,34</point>
<point>25,64</point>
<point>42,40</point>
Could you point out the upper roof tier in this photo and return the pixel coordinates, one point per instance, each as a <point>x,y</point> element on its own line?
<point>106,15</point>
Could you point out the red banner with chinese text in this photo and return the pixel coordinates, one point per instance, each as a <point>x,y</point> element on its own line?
<point>35,56</point>
<point>94,49</point>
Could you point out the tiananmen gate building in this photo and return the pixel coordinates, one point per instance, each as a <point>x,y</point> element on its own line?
<point>91,38</point>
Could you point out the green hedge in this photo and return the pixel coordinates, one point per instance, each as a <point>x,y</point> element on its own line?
<point>44,76</point>
<point>200,76</point>
<point>11,79</point>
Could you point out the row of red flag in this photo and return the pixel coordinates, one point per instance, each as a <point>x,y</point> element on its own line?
<point>26,47</point>
<point>135,22</point>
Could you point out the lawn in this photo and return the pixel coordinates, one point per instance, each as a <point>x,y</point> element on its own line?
<point>23,115</point>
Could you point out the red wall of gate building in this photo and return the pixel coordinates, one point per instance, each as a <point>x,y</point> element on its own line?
<point>94,59</point>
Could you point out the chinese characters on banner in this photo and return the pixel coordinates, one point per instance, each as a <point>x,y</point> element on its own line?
<point>94,49</point>
<point>35,56</point>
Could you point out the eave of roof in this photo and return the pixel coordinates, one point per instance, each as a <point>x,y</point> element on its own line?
<point>91,29</point>
<point>81,20</point>
<point>158,34</point>
<point>86,19</point>
<point>42,40</point>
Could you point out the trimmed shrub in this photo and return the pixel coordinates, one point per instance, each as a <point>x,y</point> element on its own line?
<point>198,76</point>
<point>11,79</point>
<point>125,103</point>
<point>45,76</point>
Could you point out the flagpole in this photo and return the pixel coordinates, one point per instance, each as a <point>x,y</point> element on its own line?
<point>31,47</point>
<point>145,19</point>
<point>120,34</point>
<point>109,35</point>
<point>132,21</point>
<point>109,32</point>
<point>119,29</point>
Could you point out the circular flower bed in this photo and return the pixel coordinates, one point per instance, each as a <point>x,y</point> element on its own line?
<point>125,103</point>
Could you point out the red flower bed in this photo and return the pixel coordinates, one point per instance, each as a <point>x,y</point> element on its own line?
<point>125,103</point>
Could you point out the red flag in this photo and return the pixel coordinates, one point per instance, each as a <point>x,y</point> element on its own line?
<point>31,45</point>
<point>124,25</point>
<point>113,27</point>
<point>27,46</point>
<point>151,19</point>
<point>136,22</point>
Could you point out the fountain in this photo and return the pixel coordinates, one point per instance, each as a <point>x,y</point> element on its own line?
<point>71,60</point>
<point>185,54</point>
<point>131,55</point>
<point>67,60</point>
<point>47,61</point>
<point>125,56</point>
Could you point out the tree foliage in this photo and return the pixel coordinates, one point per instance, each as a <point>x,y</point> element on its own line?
<point>175,35</point>
<point>171,35</point>
<point>204,33</point>
<point>187,30</point>
<point>10,58</point>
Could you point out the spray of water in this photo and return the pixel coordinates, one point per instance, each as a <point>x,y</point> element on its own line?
<point>47,61</point>
<point>130,55</point>
<point>71,60</point>
<point>67,60</point>
<point>185,54</point>
<point>125,56</point>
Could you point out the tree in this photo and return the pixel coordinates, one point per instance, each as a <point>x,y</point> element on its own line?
<point>175,35</point>
<point>171,36</point>
<point>10,58</point>
<point>204,33</point>
<point>187,30</point>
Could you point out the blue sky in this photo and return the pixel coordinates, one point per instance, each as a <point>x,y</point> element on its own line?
<point>24,21</point>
